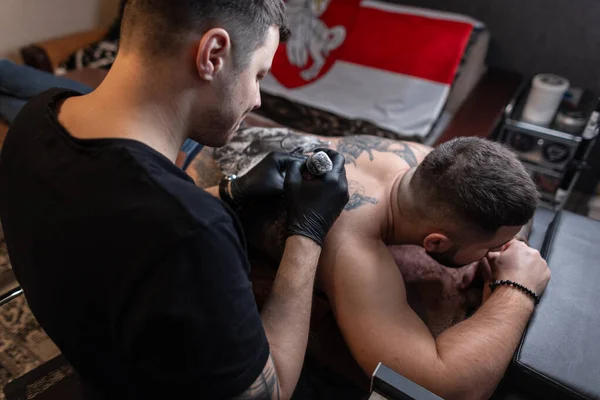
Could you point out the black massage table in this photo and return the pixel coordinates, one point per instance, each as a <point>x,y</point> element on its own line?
<point>559,355</point>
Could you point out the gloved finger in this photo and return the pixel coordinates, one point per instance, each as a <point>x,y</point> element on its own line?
<point>344,185</point>
<point>293,173</point>
<point>283,160</point>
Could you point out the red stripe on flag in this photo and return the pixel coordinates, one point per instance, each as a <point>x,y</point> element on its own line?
<point>407,44</point>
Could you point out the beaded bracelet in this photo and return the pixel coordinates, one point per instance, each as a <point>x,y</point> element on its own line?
<point>529,292</point>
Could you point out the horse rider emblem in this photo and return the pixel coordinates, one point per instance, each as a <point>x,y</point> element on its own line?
<point>311,36</point>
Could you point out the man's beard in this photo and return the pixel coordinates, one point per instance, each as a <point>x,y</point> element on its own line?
<point>217,129</point>
<point>446,258</point>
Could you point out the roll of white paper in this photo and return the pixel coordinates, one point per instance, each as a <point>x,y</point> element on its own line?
<point>546,93</point>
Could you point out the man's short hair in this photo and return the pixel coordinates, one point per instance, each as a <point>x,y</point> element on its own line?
<point>160,27</point>
<point>476,181</point>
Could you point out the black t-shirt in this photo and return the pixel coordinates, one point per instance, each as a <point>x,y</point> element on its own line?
<point>138,276</point>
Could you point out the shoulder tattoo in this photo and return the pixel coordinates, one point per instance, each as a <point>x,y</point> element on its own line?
<point>358,196</point>
<point>354,146</point>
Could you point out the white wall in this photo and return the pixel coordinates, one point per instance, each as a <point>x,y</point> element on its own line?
<point>26,21</point>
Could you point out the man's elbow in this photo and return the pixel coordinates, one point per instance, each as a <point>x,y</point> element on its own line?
<point>456,378</point>
<point>454,387</point>
<point>437,377</point>
<point>471,393</point>
<point>449,385</point>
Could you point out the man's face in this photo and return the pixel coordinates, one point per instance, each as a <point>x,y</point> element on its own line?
<point>237,92</point>
<point>460,255</point>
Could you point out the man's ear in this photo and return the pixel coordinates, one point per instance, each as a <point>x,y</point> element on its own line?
<point>213,51</point>
<point>437,243</point>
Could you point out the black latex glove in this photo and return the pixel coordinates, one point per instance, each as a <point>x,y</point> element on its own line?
<point>314,203</point>
<point>265,179</point>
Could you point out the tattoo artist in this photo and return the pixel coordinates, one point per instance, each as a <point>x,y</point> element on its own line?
<point>139,276</point>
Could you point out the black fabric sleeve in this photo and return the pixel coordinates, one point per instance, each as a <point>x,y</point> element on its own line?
<point>194,324</point>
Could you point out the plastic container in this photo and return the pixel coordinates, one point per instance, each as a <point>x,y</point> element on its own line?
<point>544,98</point>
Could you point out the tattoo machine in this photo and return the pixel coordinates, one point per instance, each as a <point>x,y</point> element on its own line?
<point>318,164</point>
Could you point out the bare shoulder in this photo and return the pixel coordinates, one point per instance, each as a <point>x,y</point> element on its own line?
<point>369,301</point>
<point>367,148</point>
<point>353,246</point>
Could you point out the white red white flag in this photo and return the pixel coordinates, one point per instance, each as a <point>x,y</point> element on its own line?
<point>388,64</point>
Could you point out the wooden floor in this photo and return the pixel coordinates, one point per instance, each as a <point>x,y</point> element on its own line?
<point>481,112</point>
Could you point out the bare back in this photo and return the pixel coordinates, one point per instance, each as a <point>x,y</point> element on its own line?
<point>373,165</point>
<point>391,303</point>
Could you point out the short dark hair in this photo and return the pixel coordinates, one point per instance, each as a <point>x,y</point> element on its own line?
<point>165,23</point>
<point>479,181</point>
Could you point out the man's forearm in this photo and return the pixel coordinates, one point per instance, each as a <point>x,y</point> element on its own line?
<point>478,350</point>
<point>286,313</point>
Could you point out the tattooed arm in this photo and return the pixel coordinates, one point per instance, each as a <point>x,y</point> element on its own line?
<point>286,313</point>
<point>286,317</point>
<point>265,387</point>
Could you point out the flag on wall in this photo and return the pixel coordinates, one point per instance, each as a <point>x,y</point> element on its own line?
<point>388,64</point>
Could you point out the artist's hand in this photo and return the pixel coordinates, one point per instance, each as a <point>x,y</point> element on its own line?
<point>522,264</point>
<point>265,179</point>
<point>313,205</point>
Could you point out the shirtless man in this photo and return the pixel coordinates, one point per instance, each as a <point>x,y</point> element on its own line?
<point>462,203</point>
